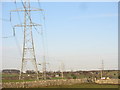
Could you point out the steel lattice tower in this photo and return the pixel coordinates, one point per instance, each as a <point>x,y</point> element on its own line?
<point>28,43</point>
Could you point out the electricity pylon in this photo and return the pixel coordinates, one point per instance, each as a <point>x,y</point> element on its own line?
<point>102,69</point>
<point>28,43</point>
<point>44,76</point>
<point>44,68</point>
<point>62,69</point>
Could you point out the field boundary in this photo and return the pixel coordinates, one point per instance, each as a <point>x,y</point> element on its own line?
<point>42,83</point>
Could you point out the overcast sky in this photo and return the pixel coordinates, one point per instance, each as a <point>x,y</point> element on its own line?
<point>79,34</point>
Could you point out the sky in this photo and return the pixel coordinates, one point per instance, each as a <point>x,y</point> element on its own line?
<point>78,34</point>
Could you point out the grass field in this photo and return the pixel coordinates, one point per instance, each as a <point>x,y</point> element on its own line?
<point>14,78</point>
<point>83,86</point>
<point>5,81</point>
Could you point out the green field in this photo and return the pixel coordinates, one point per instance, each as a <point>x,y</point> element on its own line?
<point>83,86</point>
<point>5,81</point>
<point>13,77</point>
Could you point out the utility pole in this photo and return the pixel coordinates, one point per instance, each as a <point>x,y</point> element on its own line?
<point>28,43</point>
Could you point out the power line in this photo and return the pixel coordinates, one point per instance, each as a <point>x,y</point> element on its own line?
<point>15,38</point>
<point>3,19</point>
<point>43,13</point>
<point>45,34</point>
<point>11,26</point>
<point>9,20</point>
<point>44,38</point>
<point>17,45</point>
<point>18,12</point>
<point>29,16</point>
<point>6,37</point>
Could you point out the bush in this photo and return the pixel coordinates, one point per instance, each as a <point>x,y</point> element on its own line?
<point>118,77</point>
<point>74,77</point>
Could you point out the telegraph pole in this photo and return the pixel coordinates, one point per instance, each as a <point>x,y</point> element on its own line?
<point>28,43</point>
